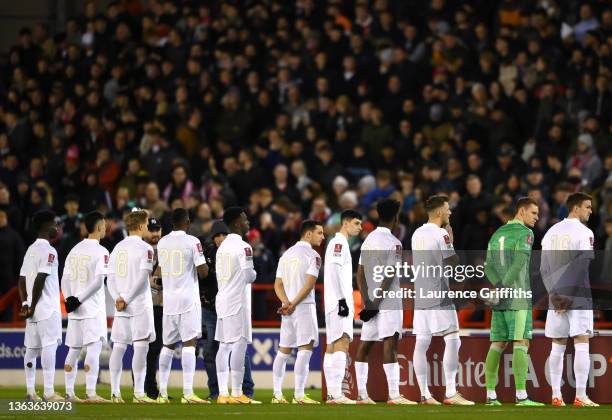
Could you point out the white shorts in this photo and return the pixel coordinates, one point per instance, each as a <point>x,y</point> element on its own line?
<point>572,323</point>
<point>182,327</point>
<point>300,328</point>
<point>385,324</point>
<point>336,326</point>
<point>82,332</point>
<point>435,322</point>
<point>234,327</point>
<point>126,330</point>
<point>44,333</point>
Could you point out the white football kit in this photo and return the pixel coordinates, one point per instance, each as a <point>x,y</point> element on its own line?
<point>300,328</point>
<point>431,245</point>
<point>44,328</point>
<point>338,284</point>
<point>84,272</point>
<point>381,245</point>
<point>235,273</point>
<point>179,255</point>
<point>557,244</point>
<point>129,259</point>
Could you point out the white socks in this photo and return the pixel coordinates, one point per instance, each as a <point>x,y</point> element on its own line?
<point>71,368</point>
<point>139,366</point>
<point>338,370</point>
<point>582,365</point>
<point>92,367</point>
<point>420,364</point>
<point>222,363</point>
<point>278,372</point>
<point>47,361</point>
<point>555,367</point>
<point>29,365</point>
<point>451,362</point>
<point>188,361</point>
<point>300,370</point>
<point>165,364</point>
<point>361,372</point>
<point>392,371</point>
<point>237,366</point>
<point>115,366</point>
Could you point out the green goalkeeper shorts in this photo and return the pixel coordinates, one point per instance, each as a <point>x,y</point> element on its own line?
<point>511,325</point>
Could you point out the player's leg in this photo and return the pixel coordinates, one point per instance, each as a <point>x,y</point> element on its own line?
<point>248,386</point>
<point>190,330</point>
<point>300,370</point>
<point>390,365</point>
<point>29,365</point>
<point>139,366</point>
<point>362,367</point>
<point>238,350</point>
<point>223,369</point>
<point>520,326</point>
<point>555,366</point>
<point>115,366</point>
<point>71,369</point>
<point>47,361</point>
<point>499,337</point>
<point>50,331</point>
<point>278,373</point>
<point>419,359</point>
<point>165,365</point>
<point>92,368</point>
<point>582,365</point>
<point>338,359</point>
<point>450,363</point>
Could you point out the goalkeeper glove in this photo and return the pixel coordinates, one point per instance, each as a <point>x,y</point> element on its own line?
<point>72,302</point>
<point>367,314</point>
<point>343,309</point>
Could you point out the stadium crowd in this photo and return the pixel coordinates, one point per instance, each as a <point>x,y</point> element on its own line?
<point>302,109</point>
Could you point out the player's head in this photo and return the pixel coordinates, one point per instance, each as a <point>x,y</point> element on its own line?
<point>180,219</point>
<point>218,232</point>
<point>388,211</point>
<point>527,211</point>
<point>311,231</point>
<point>236,220</point>
<point>44,224</point>
<point>136,223</point>
<point>437,209</point>
<point>580,206</point>
<point>95,223</point>
<point>350,222</point>
<point>154,228</point>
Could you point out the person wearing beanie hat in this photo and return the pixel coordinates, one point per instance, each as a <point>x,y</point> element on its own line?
<point>585,159</point>
<point>208,292</point>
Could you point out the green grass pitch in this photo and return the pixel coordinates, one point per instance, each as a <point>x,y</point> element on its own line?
<point>293,412</point>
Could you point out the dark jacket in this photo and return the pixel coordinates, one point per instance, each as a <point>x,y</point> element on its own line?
<point>208,285</point>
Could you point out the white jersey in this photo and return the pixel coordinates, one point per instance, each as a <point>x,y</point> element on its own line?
<point>129,258</point>
<point>179,254</point>
<point>295,264</point>
<point>431,245</point>
<point>235,273</point>
<point>381,248</point>
<point>562,246</point>
<point>86,263</point>
<point>338,274</point>
<point>41,257</point>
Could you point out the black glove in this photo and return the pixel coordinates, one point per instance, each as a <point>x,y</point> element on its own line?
<point>343,309</point>
<point>367,314</point>
<point>72,302</point>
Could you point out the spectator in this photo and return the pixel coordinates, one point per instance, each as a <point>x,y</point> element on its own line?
<point>585,159</point>
<point>12,254</point>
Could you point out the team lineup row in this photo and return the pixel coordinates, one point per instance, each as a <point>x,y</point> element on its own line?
<point>179,260</point>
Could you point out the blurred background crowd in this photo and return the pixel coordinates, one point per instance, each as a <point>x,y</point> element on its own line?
<point>303,108</point>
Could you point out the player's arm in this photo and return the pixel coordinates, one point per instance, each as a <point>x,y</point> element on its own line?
<point>100,272</point>
<point>37,288</point>
<point>309,284</point>
<point>199,260</point>
<point>246,264</point>
<point>142,282</point>
<point>519,262</point>
<point>449,255</point>
<point>23,294</point>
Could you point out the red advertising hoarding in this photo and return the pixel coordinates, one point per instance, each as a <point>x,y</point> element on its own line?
<point>471,376</point>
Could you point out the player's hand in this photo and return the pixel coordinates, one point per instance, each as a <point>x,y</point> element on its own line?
<point>120,304</point>
<point>24,312</point>
<point>560,303</point>
<point>343,309</point>
<point>71,303</point>
<point>289,308</point>
<point>367,314</point>
<point>449,229</point>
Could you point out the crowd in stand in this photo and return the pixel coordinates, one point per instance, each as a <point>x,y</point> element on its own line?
<point>301,109</point>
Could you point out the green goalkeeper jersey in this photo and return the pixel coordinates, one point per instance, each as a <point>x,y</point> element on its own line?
<point>507,264</point>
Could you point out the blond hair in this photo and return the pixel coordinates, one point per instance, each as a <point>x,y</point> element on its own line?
<point>135,219</point>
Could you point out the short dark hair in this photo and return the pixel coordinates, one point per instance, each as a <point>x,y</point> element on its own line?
<point>524,202</point>
<point>435,202</point>
<point>231,214</point>
<point>41,219</point>
<point>92,219</point>
<point>576,199</point>
<point>387,209</point>
<point>180,217</point>
<point>308,226</point>
<point>350,215</point>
